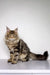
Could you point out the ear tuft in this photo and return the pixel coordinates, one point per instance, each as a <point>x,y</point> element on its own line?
<point>16,29</point>
<point>7,29</point>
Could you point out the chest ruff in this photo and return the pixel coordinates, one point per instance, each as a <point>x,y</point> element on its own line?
<point>12,44</point>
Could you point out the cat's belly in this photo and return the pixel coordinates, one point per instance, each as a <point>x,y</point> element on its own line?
<point>22,56</point>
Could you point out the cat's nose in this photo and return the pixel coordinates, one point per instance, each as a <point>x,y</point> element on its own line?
<point>11,36</point>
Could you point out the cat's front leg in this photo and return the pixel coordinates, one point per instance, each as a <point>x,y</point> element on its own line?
<point>14,60</point>
<point>11,56</point>
<point>15,57</point>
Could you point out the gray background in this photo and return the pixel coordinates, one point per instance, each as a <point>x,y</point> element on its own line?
<point>32,17</point>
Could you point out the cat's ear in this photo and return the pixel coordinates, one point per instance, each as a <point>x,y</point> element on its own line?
<point>7,29</point>
<point>16,30</point>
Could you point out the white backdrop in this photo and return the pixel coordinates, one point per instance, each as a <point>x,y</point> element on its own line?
<point>32,17</point>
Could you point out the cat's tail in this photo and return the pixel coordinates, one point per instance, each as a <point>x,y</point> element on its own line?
<point>39,56</point>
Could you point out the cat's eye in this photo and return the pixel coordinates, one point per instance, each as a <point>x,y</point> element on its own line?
<point>7,35</point>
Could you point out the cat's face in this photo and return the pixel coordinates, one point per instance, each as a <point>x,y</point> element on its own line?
<point>11,35</point>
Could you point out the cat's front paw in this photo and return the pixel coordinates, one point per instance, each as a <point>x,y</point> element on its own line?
<point>9,60</point>
<point>14,62</point>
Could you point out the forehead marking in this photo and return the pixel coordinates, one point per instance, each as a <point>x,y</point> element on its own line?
<point>11,32</point>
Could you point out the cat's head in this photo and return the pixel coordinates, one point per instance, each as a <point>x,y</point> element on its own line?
<point>11,35</point>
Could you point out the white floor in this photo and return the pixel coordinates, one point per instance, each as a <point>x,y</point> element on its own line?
<point>17,74</point>
<point>30,65</point>
<point>24,74</point>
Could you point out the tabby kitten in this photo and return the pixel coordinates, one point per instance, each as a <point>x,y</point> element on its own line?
<point>19,49</point>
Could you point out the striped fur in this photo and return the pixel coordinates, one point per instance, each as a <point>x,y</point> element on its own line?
<point>19,49</point>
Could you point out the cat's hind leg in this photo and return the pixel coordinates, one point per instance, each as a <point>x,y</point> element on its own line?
<point>24,60</point>
<point>24,57</point>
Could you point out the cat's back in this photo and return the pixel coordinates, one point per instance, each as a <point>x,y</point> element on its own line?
<point>24,45</point>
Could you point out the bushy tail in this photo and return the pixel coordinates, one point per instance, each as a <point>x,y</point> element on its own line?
<point>39,56</point>
<point>45,55</point>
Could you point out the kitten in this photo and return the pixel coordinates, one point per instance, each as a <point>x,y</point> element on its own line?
<point>19,49</point>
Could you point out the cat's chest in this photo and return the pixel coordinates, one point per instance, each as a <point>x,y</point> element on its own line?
<point>11,46</point>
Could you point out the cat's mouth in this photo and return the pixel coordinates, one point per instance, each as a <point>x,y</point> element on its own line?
<point>12,39</point>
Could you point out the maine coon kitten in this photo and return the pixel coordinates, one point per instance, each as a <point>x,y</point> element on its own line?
<point>19,49</point>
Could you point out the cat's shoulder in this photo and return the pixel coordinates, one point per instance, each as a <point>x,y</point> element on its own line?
<point>21,40</point>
